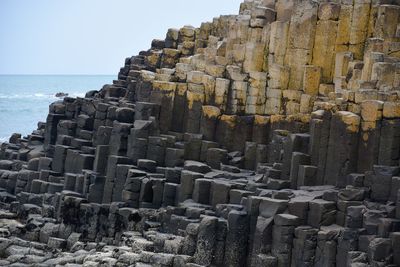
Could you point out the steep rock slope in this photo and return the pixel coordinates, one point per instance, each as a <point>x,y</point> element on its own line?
<point>268,138</point>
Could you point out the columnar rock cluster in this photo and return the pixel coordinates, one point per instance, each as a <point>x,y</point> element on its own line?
<point>268,138</point>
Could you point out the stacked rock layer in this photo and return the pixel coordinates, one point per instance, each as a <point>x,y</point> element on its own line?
<point>268,138</point>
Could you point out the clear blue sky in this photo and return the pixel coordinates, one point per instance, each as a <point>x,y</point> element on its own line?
<point>91,36</point>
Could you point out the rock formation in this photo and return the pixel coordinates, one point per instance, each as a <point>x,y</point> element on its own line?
<point>268,138</point>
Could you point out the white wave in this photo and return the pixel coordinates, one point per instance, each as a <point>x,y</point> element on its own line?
<point>39,96</point>
<point>26,96</point>
<point>3,139</point>
<point>77,95</point>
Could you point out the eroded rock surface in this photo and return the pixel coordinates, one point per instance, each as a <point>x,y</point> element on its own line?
<point>268,138</point>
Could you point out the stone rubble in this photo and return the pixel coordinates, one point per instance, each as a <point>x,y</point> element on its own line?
<point>268,138</point>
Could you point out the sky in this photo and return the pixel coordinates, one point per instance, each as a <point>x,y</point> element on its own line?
<point>91,36</point>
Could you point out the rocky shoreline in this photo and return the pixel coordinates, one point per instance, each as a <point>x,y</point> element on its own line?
<point>268,138</point>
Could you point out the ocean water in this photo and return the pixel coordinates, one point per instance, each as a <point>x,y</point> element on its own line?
<point>25,99</point>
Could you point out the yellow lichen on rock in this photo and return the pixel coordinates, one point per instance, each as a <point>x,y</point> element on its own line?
<point>351,120</point>
<point>312,79</point>
<point>371,110</point>
<point>211,112</point>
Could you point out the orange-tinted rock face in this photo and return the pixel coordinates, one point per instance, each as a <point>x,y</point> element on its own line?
<point>268,138</point>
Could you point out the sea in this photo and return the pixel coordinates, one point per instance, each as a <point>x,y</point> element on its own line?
<point>25,99</point>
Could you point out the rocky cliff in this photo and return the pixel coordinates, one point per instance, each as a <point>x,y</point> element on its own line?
<point>268,138</point>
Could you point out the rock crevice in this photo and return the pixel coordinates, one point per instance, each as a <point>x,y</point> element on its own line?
<point>268,138</point>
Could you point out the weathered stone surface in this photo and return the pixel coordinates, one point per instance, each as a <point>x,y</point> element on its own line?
<point>268,138</point>
<point>206,240</point>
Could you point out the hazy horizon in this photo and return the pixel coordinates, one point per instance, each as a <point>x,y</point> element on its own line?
<point>91,37</point>
<point>58,74</point>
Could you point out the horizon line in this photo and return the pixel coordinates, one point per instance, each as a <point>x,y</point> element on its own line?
<point>55,74</point>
